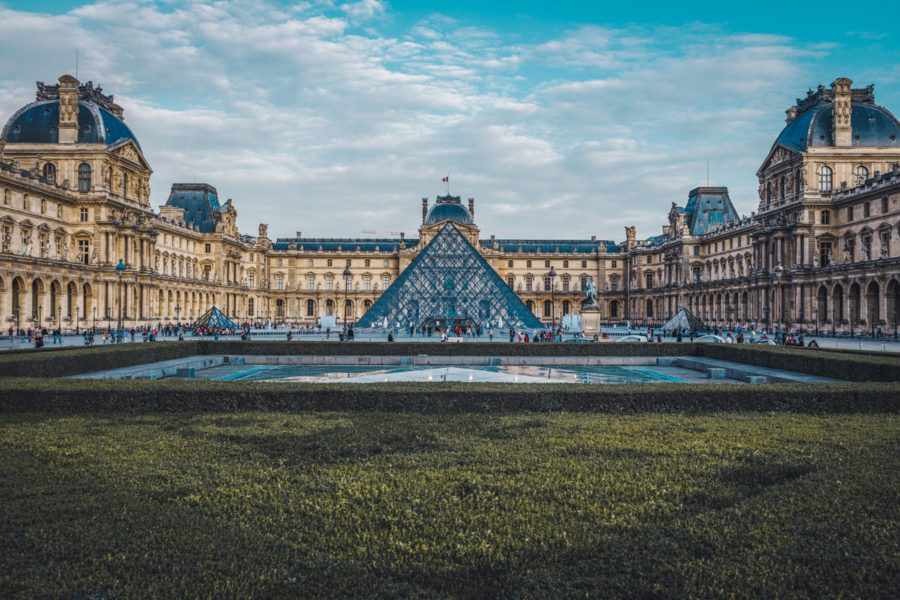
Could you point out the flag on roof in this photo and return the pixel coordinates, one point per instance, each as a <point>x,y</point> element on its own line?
<point>445,179</point>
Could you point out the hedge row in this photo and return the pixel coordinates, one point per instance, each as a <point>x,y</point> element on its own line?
<point>80,359</point>
<point>78,395</point>
<point>854,366</point>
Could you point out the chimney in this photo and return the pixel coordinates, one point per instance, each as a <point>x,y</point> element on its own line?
<point>402,235</point>
<point>593,238</point>
<point>118,111</point>
<point>791,114</point>
<point>843,131</point>
<point>424,208</point>
<point>665,230</point>
<point>472,207</point>
<point>68,110</point>
<point>299,234</point>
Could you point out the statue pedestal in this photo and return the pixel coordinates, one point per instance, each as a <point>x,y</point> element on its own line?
<point>590,320</point>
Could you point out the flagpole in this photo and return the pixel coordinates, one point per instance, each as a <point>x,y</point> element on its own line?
<point>448,184</point>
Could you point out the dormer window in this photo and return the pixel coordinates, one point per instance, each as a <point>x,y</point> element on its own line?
<point>861,173</point>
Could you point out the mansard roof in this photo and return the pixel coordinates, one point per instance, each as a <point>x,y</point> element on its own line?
<point>200,202</point>
<point>707,208</point>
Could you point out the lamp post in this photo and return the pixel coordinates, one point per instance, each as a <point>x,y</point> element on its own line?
<point>730,311</point>
<point>40,311</point>
<point>120,270</point>
<point>177,313</point>
<point>833,324</point>
<point>347,274</point>
<point>816,313</point>
<point>552,275</point>
<point>766,311</point>
<point>778,271</point>
<point>77,311</point>
<point>18,325</point>
<point>59,317</point>
<point>94,324</point>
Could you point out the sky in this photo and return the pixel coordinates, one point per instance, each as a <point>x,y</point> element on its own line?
<point>562,120</point>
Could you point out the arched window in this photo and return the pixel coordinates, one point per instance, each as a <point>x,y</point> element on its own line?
<point>84,177</point>
<point>310,308</point>
<point>329,307</point>
<point>825,179</point>
<point>50,172</point>
<point>614,309</point>
<point>861,174</point>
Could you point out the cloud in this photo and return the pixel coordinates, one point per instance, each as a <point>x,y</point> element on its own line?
<point>314,117</point>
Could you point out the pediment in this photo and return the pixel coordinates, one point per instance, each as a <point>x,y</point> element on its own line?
<point>777,154</point>
<point>128,150</point>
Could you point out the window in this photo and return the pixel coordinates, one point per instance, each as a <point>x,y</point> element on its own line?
<point>614,309</point>
<point>547,308</point>
<point>528,264</point>
<point>546,264</point>
<point>329,282</point>
<point>584,264</point>
<point>613,265</point>
<point>279,282</point>
<point>84,177</point>
<point>59,211</point>
<point>387,262</point>
<point>310,308</point>
<point>208,248</point>
<point>25,202</point>
<point>849,213</point>
<point>546,284</point>
<point>84,251</point>
<point>368,262</point>
<point>866,210</point>
<point>348,281</point>
<point>861,174</point>
<point>825,179</point>
<point>329,263</point>
<point>528,284</point>
<point>696,250</point>
<point>43,206</point>
<point>649,308</point>
<point>509,264</point>
<point>584,283</point>
<point>42,242</point>
<point>565,284</point>
<point>650,283</point>
<point>251,278</point>
<point>884,205</point>
<point>614,284</point>
<point>510,281</point>
<point>280,262</point>
<point>250,307</point>
<point>50,172</point>
<point>348,262</point>
<point>565,264</point>
<point>385,282</point>
<point>367,282</point>
<point>649,259</point>
<point>6,197</point>
<point>310,282</point>
<point>826,217</point>
<point>309,262</point>
<point>783,185</point>
<point>566,307</point>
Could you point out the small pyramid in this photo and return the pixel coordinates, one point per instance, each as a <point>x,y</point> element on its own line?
<point>449,284</point>
<point>214,319</point>
<point>683,320</point>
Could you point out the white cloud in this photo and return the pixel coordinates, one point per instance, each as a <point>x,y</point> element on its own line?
<point>311,122</point>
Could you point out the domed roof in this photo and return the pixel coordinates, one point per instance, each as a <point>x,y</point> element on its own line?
<point>448,207</point>
<point>37,123</point>
<point>873,125</point>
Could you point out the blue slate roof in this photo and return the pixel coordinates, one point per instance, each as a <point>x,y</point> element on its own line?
<point>708,207</point>
<point>200,202</point>
<point>550,246</point>
<point>342,244</point>
<point>872,125</point>
<point>37,124</point>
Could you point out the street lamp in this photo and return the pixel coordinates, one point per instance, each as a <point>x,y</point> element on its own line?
<point>94,324</point>
<point>730,311</point>
<point>347,274</point>
<point>77,311</point>
<point>816,313</point>
<point>177,313</point>
<point>59,317</point>
<point>120,270</point>
<point>778,271</point>
<point>552,275</point>
<point>766,311</point>
<point>40,311</point>
<point>18,325</point>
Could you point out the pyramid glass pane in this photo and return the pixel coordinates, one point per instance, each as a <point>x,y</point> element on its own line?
<point>214,319</point>
<point>683,320</point>
<point>448,285</point>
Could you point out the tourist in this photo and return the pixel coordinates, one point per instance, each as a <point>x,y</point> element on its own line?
<point>391,336</point>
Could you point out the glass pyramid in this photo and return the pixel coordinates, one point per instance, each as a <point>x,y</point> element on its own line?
<point>684,320</point>
<point>448,285</point>
<point>214,319</point>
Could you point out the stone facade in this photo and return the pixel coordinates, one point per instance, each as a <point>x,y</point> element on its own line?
<point>823,250</point>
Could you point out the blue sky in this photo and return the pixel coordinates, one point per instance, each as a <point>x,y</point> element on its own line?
<point>561,119</point>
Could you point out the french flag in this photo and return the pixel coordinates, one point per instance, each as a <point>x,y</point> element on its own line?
<point>445,179</point>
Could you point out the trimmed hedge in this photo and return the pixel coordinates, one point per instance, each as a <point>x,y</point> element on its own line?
<point>79,359</point>
<point>851,366</point>
<point>79,395</point>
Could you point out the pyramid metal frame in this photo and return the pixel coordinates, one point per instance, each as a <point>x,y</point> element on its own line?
<point>213,319</point>
<point>449,283</point>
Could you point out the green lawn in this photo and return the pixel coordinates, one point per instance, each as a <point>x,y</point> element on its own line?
<point>388,505</point>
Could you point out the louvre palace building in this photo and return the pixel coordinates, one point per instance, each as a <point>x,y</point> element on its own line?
<point>81,244</point>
